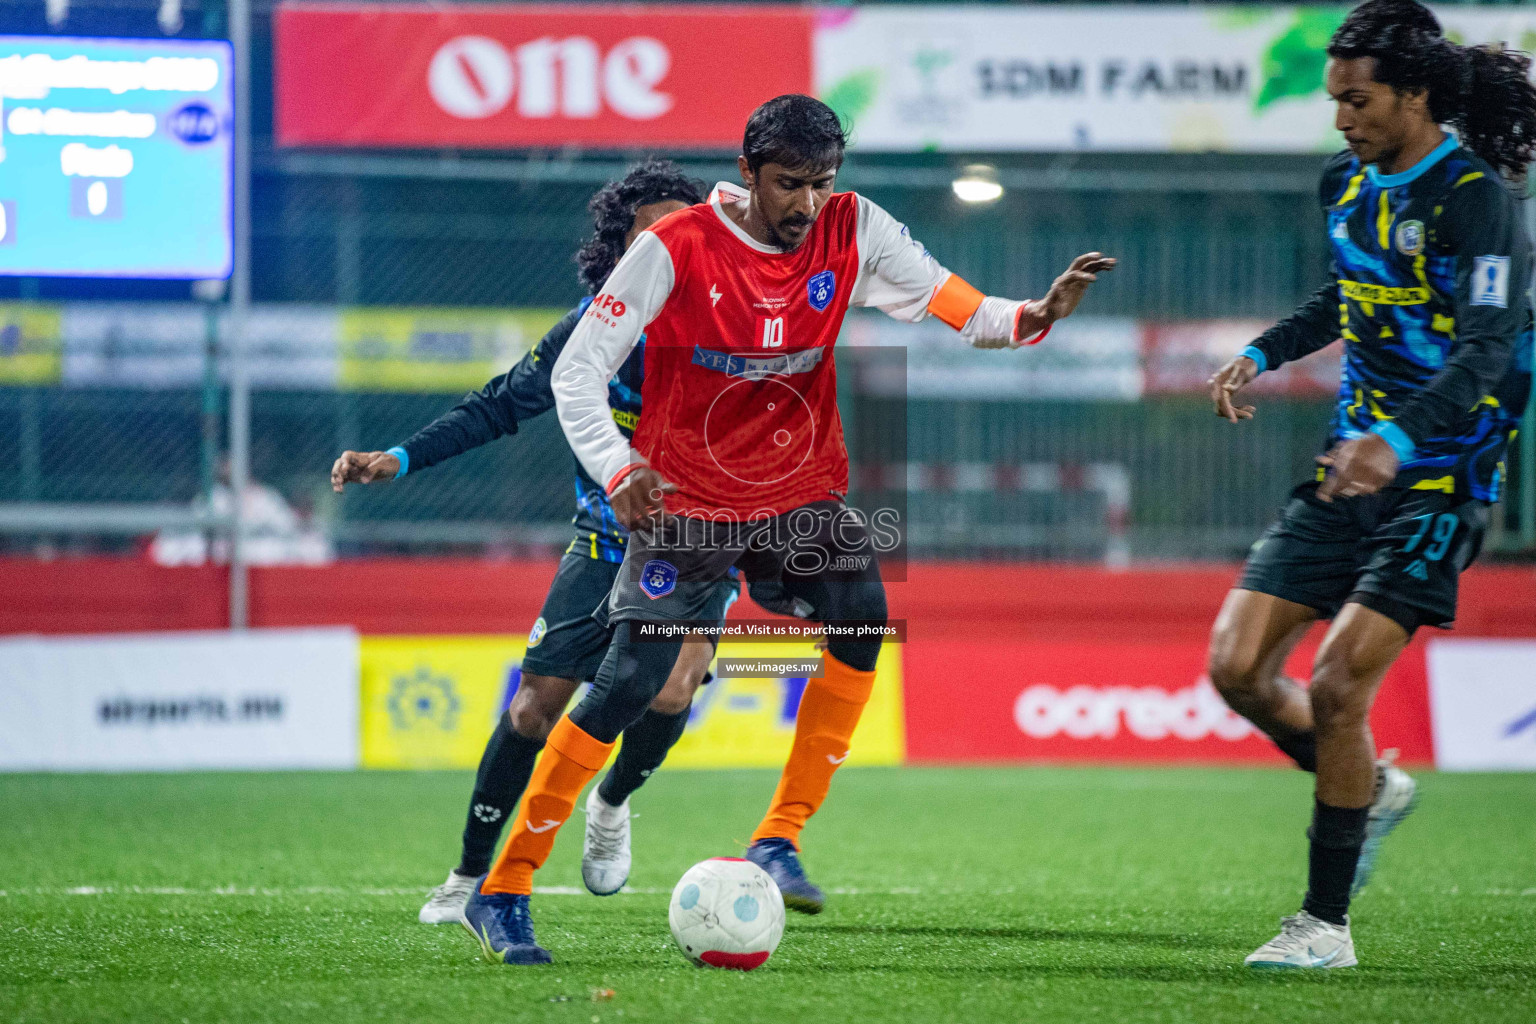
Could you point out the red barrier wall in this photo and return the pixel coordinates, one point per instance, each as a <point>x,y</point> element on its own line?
<point>941,601</point>
<point>1001,663</point>
<point>1112,700</point>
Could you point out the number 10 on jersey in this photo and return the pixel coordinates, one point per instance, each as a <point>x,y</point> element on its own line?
<point>773,332</point>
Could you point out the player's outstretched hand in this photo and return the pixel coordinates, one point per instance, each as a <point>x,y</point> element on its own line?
<point>1067,290</point>
<point>1226,382</point>
<point>1363,465</point>
<point>363,468</point>
<point>637,501</point>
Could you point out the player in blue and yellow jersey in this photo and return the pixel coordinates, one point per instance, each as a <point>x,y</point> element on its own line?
<point>1430,294</point>
<point>566,644</point>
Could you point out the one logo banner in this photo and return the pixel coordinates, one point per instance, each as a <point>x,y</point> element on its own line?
<point>492,76</point>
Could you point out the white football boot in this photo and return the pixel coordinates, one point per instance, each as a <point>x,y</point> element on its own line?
<point>1396,797</point>
<point>1306,941</point>
<point>605,853</point>
<point>446,904</point>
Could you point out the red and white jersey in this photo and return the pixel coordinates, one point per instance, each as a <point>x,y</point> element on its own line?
<point>740,393</point>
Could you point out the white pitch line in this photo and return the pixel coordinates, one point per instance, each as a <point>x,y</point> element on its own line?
<point>542,890</point>
<point>331,890</point>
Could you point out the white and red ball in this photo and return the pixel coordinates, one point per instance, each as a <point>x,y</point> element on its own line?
<point>727,912</point>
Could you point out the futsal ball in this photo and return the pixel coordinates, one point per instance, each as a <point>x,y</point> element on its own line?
<point>727,912</point>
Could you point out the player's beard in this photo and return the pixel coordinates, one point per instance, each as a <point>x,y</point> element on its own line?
<point>781,243</point>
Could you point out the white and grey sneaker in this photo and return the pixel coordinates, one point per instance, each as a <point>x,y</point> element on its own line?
<point>605,854</point>
<point>446,904</point>
<point>1396,796</point>
<point>1306,941</point>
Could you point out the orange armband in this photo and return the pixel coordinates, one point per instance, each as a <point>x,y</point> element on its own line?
<point>955,302</point>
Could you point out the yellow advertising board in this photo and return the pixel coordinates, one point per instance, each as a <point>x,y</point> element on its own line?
<point>428,349</point>
<point>30,343</point>
<point>750,723</point>
<point>431,702</point>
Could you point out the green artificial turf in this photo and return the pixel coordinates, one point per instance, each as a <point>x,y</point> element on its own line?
<point>1017,894</point>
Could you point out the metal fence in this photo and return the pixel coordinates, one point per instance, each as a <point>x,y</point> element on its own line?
<point>108,457</point>
<point>112,455</point>
<point>1229,238</point>
<point>95,459</point>
<point>97,467</point>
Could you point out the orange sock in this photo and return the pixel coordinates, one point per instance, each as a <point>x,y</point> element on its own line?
<point>570,759</point>
<point>829,711</point>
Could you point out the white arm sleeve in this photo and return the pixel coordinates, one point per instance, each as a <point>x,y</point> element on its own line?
<point>638,286</point>
<point>900,277</point>
<point>992,325</point>
<point>896,274</point>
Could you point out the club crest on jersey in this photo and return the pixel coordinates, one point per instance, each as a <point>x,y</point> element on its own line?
<point>820,289</point>
<point>1410,237</point>
<point>658,578</point>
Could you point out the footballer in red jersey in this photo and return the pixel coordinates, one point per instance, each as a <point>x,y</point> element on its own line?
<point>739,461</point>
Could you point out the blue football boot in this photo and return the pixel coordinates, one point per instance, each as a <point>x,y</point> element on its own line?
<point>1396,797</point>
<point>503,925</point>
<point>779,859</point>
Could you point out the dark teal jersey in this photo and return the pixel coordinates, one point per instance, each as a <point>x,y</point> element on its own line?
<point>521,394</point>
<point>1430,292</point>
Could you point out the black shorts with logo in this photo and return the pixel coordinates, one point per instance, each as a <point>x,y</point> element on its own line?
<point>795,563</point>
<point>567,641</point>
<point>1399,552</point>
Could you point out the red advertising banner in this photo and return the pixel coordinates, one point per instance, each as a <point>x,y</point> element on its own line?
<point>1002,663</point>
<point>1112,701</point>
<point>1180,357</point>
<point>511,75</point>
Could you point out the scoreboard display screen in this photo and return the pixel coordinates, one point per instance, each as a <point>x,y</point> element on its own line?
<point>115,157</point>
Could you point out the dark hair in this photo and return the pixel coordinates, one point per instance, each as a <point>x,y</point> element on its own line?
<point>613,213</point>
<point>1480,91</point>
<point>795,131</point>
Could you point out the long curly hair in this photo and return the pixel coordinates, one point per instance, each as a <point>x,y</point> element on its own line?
<point>1482,92</point>
<point>613,214</point>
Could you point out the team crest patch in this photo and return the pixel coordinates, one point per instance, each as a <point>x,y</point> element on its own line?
<point>820,289</point>
<point>658,578</point>
<point>536,634</point>
<point>1410,237</point>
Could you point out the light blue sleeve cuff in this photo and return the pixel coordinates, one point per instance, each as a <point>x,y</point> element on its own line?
<point>1257,356</point>
<point>1395,436</point>
<point>405,460</point>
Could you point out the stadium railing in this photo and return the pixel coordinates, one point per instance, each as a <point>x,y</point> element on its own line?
<point>101,461</point>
